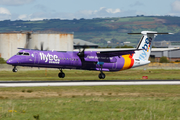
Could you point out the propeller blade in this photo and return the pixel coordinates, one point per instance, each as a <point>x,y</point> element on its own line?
<point>42,46</point>
<point>27,40</point>
<point>81,53</point>
<point>26,45</point>
<point>78,46</point>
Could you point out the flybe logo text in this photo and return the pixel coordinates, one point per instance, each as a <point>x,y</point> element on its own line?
<point>147,44</point>
<point>145,48</point>
<point>50,58</point>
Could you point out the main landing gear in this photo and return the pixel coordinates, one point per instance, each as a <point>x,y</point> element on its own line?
<point>101,75</point>
<point>14,69</point>
<point>61,74</point>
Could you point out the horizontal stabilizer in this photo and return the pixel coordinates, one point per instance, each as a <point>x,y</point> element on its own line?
<point>149,32</point>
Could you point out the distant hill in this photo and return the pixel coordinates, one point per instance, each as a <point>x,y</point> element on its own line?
<point>101,30</point>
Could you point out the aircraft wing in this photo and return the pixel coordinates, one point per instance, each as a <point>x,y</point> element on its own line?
<point>116,52</point>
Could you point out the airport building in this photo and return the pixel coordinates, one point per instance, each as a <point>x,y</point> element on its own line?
<point>166,44</point>
<point>173,54</point>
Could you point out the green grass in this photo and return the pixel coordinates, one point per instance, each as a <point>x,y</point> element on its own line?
<point>156,102</point>
<point>88,108</point>
<point>132,74</point>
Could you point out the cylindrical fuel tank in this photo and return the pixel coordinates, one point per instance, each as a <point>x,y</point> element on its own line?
<point>9,42</point>
<point>51,41</point>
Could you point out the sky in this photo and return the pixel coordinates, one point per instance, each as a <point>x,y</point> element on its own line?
<point>88,9</point>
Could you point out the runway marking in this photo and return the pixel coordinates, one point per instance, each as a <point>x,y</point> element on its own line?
<point>83,83</point>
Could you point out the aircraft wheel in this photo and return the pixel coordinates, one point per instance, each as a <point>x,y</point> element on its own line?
<point>14,70</point>
<point>102,75</point>
<point>61,75</point>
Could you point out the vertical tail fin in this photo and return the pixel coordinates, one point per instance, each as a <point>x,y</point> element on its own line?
<point>145,44</point>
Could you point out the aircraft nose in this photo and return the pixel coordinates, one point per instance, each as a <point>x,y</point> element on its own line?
<point>12,61</point>
<point>8,62</point>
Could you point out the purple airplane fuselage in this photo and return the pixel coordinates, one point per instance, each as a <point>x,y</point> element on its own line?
<point>70,60</point>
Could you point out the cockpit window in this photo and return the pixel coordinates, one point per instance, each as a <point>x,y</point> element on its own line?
<point>22,53</point>
<point>26,54</point>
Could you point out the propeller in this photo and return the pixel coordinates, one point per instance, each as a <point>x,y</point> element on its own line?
<point>42,47</point>
<point>42,44</point>
<point>27,39</point>
<point>81,52</point>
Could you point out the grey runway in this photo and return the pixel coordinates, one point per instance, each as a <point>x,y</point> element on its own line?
<point>87,83</point>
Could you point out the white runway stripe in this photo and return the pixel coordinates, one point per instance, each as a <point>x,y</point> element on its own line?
<point>86,83</point>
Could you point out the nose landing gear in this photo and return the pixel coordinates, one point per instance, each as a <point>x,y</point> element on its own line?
<point>61,74</point>
<point>14,69</point>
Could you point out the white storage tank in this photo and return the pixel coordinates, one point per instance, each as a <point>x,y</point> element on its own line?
<point>9,42</point>
<point>51,41</point>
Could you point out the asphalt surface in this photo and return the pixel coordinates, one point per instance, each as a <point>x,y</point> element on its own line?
<point>87,83</point>
<point>28,81</point>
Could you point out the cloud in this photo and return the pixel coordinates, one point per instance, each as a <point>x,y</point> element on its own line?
<point>107,10</point>
<point>102,12</point>
<point>4,14</point>
<point>113,11</point>
<point>24,16</point>
<point>15,2</point>
<point>45,13</point>
<point>4,11</point>
<point>176,6</point>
